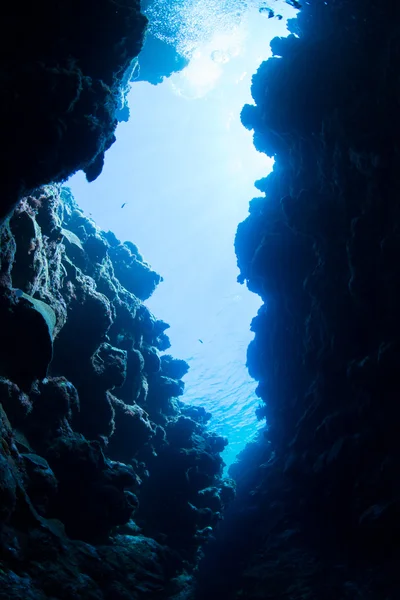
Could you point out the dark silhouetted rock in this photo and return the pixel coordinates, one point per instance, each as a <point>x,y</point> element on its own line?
<point>75,64</point>
<point>319,489</point>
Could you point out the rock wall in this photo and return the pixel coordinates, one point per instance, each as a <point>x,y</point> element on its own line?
<point>109,484</point>
<point>317,514</point>
<point>62,65</point>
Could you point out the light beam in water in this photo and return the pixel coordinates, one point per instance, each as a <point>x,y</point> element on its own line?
<point>186,167</point>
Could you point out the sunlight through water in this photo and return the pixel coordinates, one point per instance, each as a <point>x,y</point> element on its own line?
<point>185,167</point>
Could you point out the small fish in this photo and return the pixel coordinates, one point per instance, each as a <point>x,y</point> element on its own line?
<point>201,341</point>
<point>123,205</point>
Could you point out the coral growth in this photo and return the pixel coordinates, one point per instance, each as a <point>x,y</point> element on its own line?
<point>99,444</point>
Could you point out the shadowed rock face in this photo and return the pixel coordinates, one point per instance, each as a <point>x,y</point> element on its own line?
<point>109,484</point>
<point>62,64</point>
<point>159,57</point>
<point>320,517</point>
<point>158,60</point>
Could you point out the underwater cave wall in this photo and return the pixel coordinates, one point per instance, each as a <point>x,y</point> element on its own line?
<point>319,516</point>
<point>109,484</point>
<point>62,66</point>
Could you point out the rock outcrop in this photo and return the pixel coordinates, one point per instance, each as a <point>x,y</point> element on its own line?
<point>62,66</point>
<point>317,514</point>
<point>160,57</point>
<point>109,484</point>
<point>158,60</point>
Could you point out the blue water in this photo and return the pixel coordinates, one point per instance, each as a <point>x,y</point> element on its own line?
<point>185,167</point>
<point>218,378</point>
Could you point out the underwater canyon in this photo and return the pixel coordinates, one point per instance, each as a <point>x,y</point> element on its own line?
<point>112,487</point>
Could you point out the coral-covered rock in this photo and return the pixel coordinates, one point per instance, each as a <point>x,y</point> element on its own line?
<point>8,489</point>
<point>90,315</point>
<point>12,494</point>
<point>54,399</point>
<point>15,403</point>
<point>102,424</point>
<point>184,512</point>
<point>41,484</point>
<point>110,366</point>
<point>7,255</point>
<point>180,431</point>
<point>161,390</point>
<point>133,429</point>
<point>27,341</point>
<point>135,381</point>
<point>129,566</point>
<point>91,497</point>
<point>197,413</point>
<point>134,274</point>
<point>173,367</point>
<point>152,362</point>
<point>96,418</point>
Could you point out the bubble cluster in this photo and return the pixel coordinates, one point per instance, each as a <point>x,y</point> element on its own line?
<point>188,24</point>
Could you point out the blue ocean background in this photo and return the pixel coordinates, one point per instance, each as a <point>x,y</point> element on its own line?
<point>185,167</point>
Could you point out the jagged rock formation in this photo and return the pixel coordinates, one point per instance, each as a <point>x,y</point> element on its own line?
<point>160,57</point>
<point>320,518</point>
<point>159,60</point>
<point>62,65</point>
<point>109,484</point>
